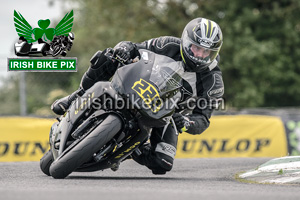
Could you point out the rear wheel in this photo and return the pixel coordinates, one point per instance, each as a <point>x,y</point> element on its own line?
<point>84,150</point>
<point>46,161</point>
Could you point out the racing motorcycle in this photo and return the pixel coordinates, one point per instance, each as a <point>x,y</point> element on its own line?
<point>98,133</point>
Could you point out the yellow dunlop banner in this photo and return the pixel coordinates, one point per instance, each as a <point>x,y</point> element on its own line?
<point>236,136</point>
<point>24,139</point>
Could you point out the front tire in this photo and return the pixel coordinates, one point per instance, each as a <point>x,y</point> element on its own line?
<point>84,150</point>
<point>46,161</point>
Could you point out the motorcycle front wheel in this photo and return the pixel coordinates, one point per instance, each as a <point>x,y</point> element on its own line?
<point>84,150</point>
<point>46,161</point>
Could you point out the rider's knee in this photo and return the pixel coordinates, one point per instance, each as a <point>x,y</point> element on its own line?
<point>165,154</point>
<point>164,164</point>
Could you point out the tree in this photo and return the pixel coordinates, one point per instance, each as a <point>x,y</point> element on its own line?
<point>259,53</point>
<point>259,57</point>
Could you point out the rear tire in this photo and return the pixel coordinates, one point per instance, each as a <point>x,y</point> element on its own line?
<point>46,161</point>
<point>85,149</point>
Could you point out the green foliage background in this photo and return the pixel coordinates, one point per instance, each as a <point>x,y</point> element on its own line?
<point>259,57</point>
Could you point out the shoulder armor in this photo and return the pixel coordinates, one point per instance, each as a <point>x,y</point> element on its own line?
<point>162,42</point>
<point>166,45</point>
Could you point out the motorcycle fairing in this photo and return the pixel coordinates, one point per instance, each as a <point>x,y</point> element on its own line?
<point>77,111</point>
<point>135,81</point>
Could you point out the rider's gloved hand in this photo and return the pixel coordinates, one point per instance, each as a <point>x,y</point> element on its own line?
<point>182,123</point>
<point>121,54</point>
<point>125,51</point>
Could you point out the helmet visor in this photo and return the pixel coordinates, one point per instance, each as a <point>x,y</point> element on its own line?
<point>199,54</point>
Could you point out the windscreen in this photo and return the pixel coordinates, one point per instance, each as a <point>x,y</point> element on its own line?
<point>166,77</point>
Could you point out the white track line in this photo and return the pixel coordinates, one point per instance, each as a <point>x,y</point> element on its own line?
<point>283,166</point>
<point>244,175</point>
<point>281,180</point>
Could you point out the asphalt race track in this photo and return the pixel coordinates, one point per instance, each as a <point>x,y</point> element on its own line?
<point>189,179</point>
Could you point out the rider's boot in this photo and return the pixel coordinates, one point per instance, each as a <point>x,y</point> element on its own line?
<point>141,154</point>
<point>60,106</point>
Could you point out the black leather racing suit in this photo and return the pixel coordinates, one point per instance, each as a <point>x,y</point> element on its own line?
<point>206,87</point>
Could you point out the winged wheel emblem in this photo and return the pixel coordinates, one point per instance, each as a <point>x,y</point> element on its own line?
<point>51,41</point>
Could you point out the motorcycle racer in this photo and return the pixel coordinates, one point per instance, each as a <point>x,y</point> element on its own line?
<point>198,49</point>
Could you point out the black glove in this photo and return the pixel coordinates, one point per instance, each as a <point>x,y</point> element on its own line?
<point>121,54</point>
<point>182,123</point>
<point>125,51</point>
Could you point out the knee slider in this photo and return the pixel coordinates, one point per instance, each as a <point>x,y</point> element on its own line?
<point>164,162</point>
<point>165,154</point>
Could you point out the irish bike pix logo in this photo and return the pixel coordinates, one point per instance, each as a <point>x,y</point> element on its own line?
<point>43,48</point>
